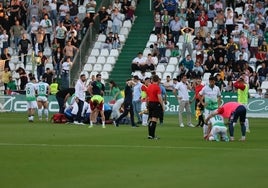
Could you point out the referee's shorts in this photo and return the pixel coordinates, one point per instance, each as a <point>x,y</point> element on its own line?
<point>155,109</point>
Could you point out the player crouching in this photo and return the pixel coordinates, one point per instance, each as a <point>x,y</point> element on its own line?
<point>96,105</point>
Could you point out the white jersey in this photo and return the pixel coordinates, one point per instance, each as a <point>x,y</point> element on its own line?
<point>217,120</point>
<point>42,89</point>
<point>30,89</point>
<point>211,96</point>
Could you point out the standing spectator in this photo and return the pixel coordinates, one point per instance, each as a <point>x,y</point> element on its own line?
<point>155,106</point>
<point>63,10</point>
<point>128,107</point>
<point>5,56</point>
<point>165,23</point>
<point>31,98</point>
<point>187,35</point>
<point>69,50</point>
<point>210,98</point>
<point>67,22</point>
<point>41,61</point>
<point>117,98</point>
<point>16,31</point>
<point>40,35</point>
<point>14,11</point>
<point>87,22</point>
<point>43,90</point>
<point>254,43</point>
<point>60,34</point>
<point>229,21</point>
<point>137,98</point>
<point>4,41</point>
<point>73,9</point>
<point>190,17</point>
<point>57,60</point>
<point>90,7</point>
<point>65,73</point>
<point>157,23</point>
<point>5,78</point>
<point>23,78</point>
<point>47,27</point>
<point>103,18</point>
<point>181,91</point>
<point>80,95</point>
<point>171,6</point>
<point>262,72</point>
<point>210,65</point>
<point>161,44</point>
<point>24,46</point>
<point>117,20</point>
<point>33,29</point>
<point>62,97</point>
<point>175,27</point>
<point>97,87</point>
<point>231,49</point>
<point>34,10</point>
<point>53,12</point>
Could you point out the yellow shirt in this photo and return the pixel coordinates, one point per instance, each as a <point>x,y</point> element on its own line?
<point>5,76</point>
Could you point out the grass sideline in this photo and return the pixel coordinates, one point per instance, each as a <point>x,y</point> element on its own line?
<point>42,155</point>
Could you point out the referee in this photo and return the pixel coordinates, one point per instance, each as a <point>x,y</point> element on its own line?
<point>155,105</point>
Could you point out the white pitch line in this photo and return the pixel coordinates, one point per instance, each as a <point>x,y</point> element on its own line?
<point>132,146</point>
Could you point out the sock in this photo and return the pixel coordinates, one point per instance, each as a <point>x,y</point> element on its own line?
<point>32,117</point>
<point>247,124</point>
<point>103,123</point>
<point>145,119</point>
<point>153,128</point>
<point>243,129</point>
<point>40,111</point>
<point>91,123</point>
<point>205,130</point>
<point>150,128</point>
<point>46,112</point>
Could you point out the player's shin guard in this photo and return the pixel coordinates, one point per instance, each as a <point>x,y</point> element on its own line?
<point>247,125</point>
<point>46,113</point>
<point>144,119</point>
<point>40,111</point>
<point>205,130</point>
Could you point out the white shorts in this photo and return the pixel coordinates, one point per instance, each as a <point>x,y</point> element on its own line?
<point>31,104</point>
<point>41,99</point>
<point>218,130</point>
<point>207,112</point>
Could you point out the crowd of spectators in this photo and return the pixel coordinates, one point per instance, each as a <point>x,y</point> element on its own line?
<point>50,32</point>
<point>225,38</point>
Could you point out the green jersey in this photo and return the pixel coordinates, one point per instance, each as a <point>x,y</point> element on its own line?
<point>30,89</point>
<point>114,91</point>
<point>217,120</point>
<point>42,89</point>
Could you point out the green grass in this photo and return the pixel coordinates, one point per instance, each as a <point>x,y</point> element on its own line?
<point>45,155</point>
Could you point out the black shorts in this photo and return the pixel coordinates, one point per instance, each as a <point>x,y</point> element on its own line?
<point>155,109</point>
<point>240,112</point>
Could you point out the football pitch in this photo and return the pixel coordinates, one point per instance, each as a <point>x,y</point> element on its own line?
<point>46,155</point>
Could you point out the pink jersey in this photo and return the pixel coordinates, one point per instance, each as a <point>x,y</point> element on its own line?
<point>226,109</point>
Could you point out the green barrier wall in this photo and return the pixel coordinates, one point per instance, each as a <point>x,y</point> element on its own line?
<point>17,103</point>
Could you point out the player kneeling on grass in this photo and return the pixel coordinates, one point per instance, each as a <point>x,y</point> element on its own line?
<point>96,105</point>
<point>233,111</point>
<point>218,131</point>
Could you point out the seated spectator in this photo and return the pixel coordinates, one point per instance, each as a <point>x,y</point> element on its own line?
<point>150,63</point>
<point>231,49</point>
<point>138,62</point>
<point>170,42</point>
<point>240,64</point>
<point>197,71</point>
<point>254,81</point>
<point>263,52</point>
<point>262,72</point>
<point>188,63</point>
<point>168,84</point>
<point>116,41</point>
<point>210,65</point>
<point>259,94</point>
<point>108,44</point>
<point>230,86</point>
